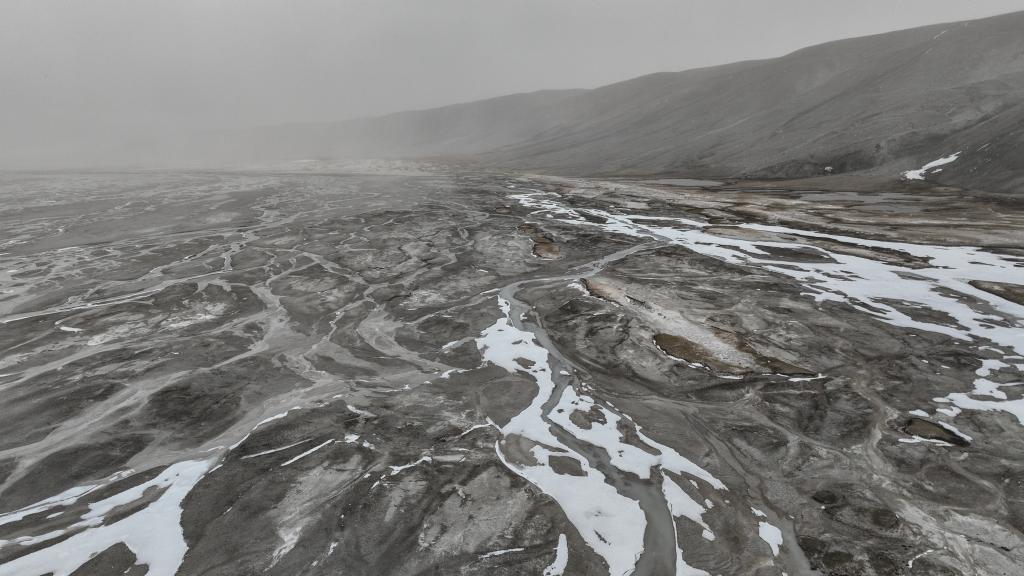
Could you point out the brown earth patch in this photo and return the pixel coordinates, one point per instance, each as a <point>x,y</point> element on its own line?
<point>565,465</point>
<point>543,243</point>
<point>1012,292</point>
<point>932,431</point>
<point>683,349</point>
<point>600,289</point>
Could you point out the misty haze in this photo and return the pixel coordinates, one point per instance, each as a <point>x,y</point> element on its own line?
<point>543,287</point>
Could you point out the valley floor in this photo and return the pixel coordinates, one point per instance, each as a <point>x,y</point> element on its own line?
<point>442,372</point>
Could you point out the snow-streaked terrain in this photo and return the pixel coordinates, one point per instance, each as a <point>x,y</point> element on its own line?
<point>931,167</point>
<point>316,373</point>
<point>886,291</point>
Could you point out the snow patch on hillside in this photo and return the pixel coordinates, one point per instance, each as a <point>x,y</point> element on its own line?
<point>932,166</point>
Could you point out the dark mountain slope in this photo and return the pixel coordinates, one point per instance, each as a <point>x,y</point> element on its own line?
<point>887,102</point>
<point>879,105</point>
<point>450,130</point>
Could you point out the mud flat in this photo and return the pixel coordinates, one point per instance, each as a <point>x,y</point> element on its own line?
<point>443,372</point>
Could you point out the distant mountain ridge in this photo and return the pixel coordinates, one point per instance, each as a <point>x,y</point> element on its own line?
<point>879,104</point>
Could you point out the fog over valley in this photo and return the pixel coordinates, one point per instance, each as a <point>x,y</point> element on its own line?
<point>122,83</point>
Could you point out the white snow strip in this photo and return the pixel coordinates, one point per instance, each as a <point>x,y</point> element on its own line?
<point>265,452</point>
<point>682,505</point>
<point>275,417</point>
<point>33,540</point>
<point>454,343</point>
<point>502,344</point>
<point>360,412</point>
<point>153,534</point>
<point>308,452</point>
<point>624,456</point>
<point>918,440</point>
<point>557,568</point>
<point>856,280</point>
<point>955,430</point>
<point>609,523</point>
<point>65,498</point>
<point>289,538</point>
<point>805,378</point>
<point>501,552</point>
<point>1015,407</point>
<point>771,535</point>
<point>477,427</point>
<point>873,287</point>
<point>261,423</point>
<point>910,563</point>
<point>985,387</point>
<point>919,174</point>
<point>392,470</point>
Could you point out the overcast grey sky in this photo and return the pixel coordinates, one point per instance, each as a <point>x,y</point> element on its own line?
<point>71,70</point>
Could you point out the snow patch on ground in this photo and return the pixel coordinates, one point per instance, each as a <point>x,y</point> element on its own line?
<point>273,450</point>
<point>308,452</point>
<point>557,568</point>
<point>873,287</point>
<point>920,173</point>
<point>501,552</point>
<point>611,524</point>
<point>65,498</point>
<point>768,532</point>
<point>983,386</point>
<point>393,470</point>
<point>153,534</point>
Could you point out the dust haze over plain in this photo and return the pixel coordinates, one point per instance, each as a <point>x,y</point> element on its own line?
<point>83,83</point>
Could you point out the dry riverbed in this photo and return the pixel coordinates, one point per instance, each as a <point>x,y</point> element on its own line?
<point>443,372</point>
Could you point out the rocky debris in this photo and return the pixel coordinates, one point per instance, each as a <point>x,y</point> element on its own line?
<point>1011,292</point>
<point>689,351</point>
<point>603,290</point>
<point>544,245</point>
<point>933,431</point>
